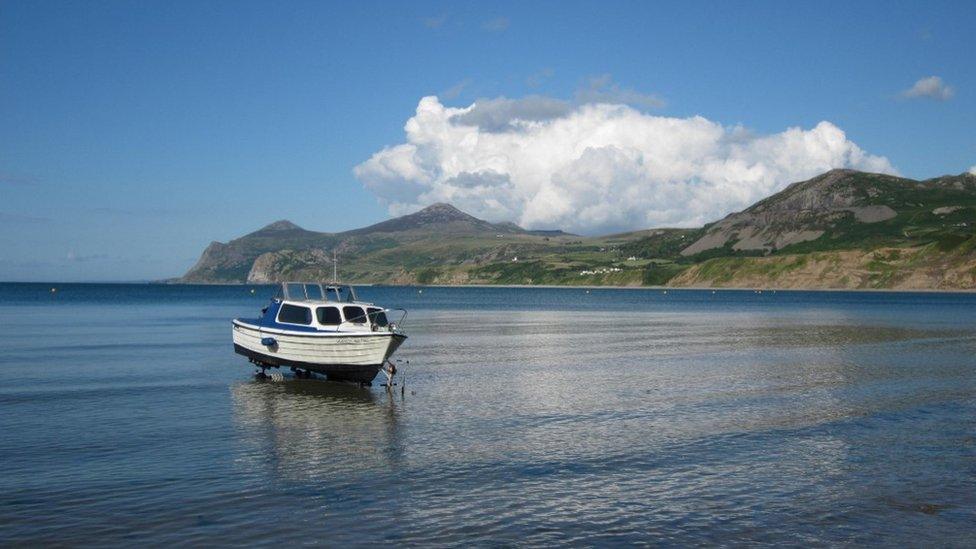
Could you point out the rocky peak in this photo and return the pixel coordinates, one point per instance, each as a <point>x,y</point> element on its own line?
<point>823,192</point>
<point>280,225</point>
<point>441,212</point>
<point>427,218</point>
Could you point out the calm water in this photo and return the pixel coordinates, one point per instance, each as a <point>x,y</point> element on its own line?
<point>530,416</point>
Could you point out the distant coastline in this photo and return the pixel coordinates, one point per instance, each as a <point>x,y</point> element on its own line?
<point>665,289</point>
<point>696,289</point>
<point>841,230</point>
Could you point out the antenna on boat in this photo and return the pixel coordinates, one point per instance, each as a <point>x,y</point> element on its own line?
<point>335,266</point>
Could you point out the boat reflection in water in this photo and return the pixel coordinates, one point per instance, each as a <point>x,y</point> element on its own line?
<point>309,429</point>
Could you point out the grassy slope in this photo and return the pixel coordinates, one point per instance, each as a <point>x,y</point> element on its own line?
<point>491,259</point>
<point>473,259</point>
<point>917,248</point>
<point>929,266</point>
<point>916,223</point>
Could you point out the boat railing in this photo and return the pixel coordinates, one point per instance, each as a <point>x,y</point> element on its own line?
<point>365,318</point>
<point>394,326</point>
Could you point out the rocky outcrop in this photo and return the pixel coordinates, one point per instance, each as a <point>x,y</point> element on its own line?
<point>218,263</point>
<point>285,265</point>
<point>802,212</point>
<point>281,225</point>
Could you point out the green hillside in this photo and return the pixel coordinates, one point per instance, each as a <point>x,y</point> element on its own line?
<point>841,229</point>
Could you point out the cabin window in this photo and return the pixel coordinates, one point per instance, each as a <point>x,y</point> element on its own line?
<point>329,316</point>
<point>354,314</point>
<point>378,317</point>
<point>293,314</point>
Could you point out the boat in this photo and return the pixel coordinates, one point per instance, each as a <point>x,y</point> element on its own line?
<point>321,328</point>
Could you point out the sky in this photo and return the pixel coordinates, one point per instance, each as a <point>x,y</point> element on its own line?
<point>132,134</point>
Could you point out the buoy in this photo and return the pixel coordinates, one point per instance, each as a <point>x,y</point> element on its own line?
<point>54,290</point>
<point>420,291</point>
<point>252,290</point>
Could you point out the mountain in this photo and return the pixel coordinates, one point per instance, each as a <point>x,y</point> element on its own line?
<point>845,208</point>
<point>285,250</point>
<point>841,229</point>
<point>844,229</point>
<point>438,216</point>
<point>231,262</point>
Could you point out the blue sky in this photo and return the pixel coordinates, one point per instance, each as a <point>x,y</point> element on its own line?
<point>134,133</point>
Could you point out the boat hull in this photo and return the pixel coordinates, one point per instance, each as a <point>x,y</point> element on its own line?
<point>344,356</point>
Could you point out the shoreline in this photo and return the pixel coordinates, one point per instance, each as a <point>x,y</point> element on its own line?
<point>545,286</point>
<point>694,288</point>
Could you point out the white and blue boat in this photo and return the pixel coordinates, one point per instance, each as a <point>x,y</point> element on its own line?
<point>321,328</point>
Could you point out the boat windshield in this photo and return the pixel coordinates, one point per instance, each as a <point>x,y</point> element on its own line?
<point>378,317</point>
<point>340,293</point>
<point>313,291</point>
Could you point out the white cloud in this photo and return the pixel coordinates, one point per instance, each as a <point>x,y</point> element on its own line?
<point>497,24</point>
<point>435,22</point>
<point>602,89</point>
<point>21,218</point>
<point>539,78</point>
<point>456,89</point>
<point>72,257</point>
<point>503,114</point>
<point>972,170</point>
<point>17,180</point>
<point>931,87</point>
<point>594,168</point>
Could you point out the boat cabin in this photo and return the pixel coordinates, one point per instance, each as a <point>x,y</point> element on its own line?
<point>303,306</point>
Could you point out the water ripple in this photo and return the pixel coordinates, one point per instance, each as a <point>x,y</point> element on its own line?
<point>613,418</point>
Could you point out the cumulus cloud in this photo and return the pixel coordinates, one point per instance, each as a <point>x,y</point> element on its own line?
<point>596,167</point>
<point>602,89</point>
<point>931,87</point>
<point>503,114</point>
<point>972,170</point>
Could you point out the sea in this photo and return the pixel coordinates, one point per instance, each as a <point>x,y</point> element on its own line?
<point>521,417</point>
